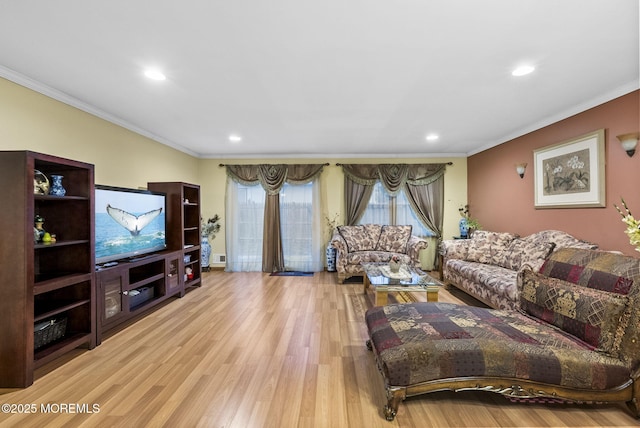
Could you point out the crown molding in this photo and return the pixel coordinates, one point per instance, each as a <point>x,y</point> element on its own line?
<point>65,98</point>
<point>549,120</point>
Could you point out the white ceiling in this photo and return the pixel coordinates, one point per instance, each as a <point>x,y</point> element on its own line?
<point>325,78</point>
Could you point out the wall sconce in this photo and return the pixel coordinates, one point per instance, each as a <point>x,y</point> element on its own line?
<point>520,168</point>
<point>629,142</point>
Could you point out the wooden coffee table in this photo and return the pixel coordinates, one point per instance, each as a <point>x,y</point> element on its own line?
<point>379,276</point>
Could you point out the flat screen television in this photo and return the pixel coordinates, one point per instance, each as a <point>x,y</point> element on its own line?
<point>129,223</point>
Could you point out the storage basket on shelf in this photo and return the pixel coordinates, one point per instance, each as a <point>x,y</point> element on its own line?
<point>49,331</point>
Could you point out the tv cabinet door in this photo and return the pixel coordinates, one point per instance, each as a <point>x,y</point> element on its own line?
<point>173,270</point>
<point>112,305</point>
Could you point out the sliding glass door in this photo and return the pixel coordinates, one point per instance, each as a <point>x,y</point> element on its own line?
<point>300,226</point>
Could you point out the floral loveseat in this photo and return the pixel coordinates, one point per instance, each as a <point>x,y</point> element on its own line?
<point>576,337</point>
<point>374,243</point>
<point>486,265</point>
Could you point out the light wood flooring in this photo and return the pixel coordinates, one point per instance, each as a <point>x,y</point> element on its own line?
<point>251,350</point>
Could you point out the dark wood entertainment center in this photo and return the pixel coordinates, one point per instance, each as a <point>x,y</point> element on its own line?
<point>133,286</point>
<point>54,286</point>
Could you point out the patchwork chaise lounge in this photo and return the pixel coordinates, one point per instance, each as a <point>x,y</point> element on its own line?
<point>576,337</point>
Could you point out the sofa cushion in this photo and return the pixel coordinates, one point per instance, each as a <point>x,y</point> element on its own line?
<point>485,245</point>
<point>521,252</point>
<point>394,238</point>
<point>359,257</point>
<point>494,285</point>
<point>591,315</point>
<point>358,238</point>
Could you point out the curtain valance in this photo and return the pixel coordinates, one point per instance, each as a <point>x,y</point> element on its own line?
<point>394,176</point>
<point>273,176</point>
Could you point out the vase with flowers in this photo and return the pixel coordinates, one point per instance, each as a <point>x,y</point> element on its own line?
<point>467,223</point>
<point>394,264</point>
<point>331,252</point>
<point>633,225</point>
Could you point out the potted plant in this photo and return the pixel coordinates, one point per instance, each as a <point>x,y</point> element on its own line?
<point>467,223</point>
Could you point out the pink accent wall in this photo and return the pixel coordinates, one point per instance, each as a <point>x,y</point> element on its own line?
<point>502,201</point>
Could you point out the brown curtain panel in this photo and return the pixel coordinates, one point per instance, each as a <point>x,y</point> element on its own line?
<point>272,178</point>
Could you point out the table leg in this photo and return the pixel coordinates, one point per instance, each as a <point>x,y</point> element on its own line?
<point>381,297</point>
<point>432,295</point>
<point>365,282</point>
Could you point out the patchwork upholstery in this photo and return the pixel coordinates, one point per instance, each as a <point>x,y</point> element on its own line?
<point>465,262</point>
<point>608,318</point>
<point>422,342</point>
<point>575,336</point>
<point>591,315</point>
<point>374,243</point>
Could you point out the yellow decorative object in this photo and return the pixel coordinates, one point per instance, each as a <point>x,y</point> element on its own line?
<point>633,225</point>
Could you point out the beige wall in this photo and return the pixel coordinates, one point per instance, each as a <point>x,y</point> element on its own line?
<point>504,202</point>
<point>32,121</point>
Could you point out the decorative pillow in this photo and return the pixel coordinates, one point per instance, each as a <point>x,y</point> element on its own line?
<point>357,238</point>
<point>394,239</point>
<point>482,241</point>
<point>594,316</point>
<point>521,252</point>
<point>599,270</point>
<point>373,230</point>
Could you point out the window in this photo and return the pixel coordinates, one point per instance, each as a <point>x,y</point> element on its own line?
<point>297,226</point>
<point>245,210</point>
<point>386,209</point>
<point>300,226</point>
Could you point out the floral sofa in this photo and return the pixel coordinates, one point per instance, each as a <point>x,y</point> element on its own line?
<point>486,265</point>
<point>575,338</point>
<point>374,243</point>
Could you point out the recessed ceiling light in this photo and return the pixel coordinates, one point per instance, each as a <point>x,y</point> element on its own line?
<point>155,74</point>
<point>432,137</point>
<point>523,70</point>
<point>235,138</point>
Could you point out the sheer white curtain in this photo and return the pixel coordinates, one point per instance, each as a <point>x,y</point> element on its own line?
<point>244,226</point>
<point>386,209</point>
<point>301,227</point>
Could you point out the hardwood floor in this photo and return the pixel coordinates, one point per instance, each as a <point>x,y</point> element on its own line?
<point>251,350</point>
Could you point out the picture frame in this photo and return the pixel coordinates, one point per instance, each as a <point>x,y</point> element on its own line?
<point>571,174</point>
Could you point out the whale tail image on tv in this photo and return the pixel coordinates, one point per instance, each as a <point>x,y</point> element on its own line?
<point>129,223</point>
<point>133,223</point>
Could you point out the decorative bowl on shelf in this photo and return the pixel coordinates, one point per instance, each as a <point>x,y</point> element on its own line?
<point>40,183</point>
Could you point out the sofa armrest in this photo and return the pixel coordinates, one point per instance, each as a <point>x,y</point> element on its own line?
<point>338,242</point>
<point>455,248</point>
<point>414,245</point>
